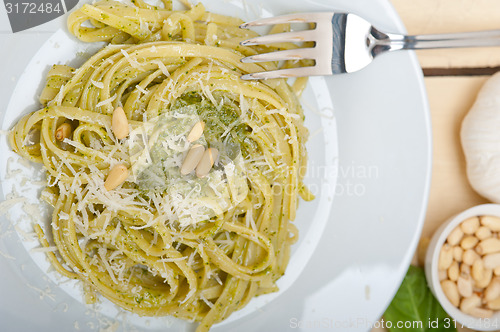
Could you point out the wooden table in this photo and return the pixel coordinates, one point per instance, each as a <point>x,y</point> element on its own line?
<point>450,97</point>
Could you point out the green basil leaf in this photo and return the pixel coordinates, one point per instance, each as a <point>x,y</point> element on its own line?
<point>414,308</point>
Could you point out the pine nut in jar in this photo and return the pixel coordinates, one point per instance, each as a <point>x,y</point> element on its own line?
<point>468,266</point>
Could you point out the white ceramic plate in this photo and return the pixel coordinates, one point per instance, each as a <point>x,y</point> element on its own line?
<point>351,263</point>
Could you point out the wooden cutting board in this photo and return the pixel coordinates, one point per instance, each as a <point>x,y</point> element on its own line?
<point>452,95</point>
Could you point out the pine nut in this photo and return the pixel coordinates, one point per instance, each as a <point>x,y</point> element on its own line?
<point>63,131</point>
<point>496,271</point>
<point>492,291</point>
<point>453,271</point>
<point>493,223</point>
<point>469,242</point>
<point>116,176</point>
<point>192,159</point>
<point>477,270</point>
<point>455,236</point>
<point>442,275</point>
<point>483,233</point>
<point>488,246</point>
<point>451,292</point>
<point>464,285</point>
<point>492,261</point>
<point>465,270</point>
<point>196,132</point>
<point>485,280</point>
<point>207,161</point>
<point>470,256</point>
<point>469,303</point>
<point>481,313</point>
<point>119,123</point>
<point>214,154</point>
<point>458,253</point>
<point>470,226</point>
<point>494,304</point>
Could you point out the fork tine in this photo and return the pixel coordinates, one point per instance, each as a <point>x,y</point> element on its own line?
<point>293,54</point>
<point>290,18</point>
<point>285,73</point>
<point>295,36</point>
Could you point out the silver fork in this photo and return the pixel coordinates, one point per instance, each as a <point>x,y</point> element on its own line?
<point>345,43</point>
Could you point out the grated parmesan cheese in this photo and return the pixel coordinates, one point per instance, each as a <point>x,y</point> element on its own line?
<point>207,302</point>
<point>283,112</point>
<point>26,236</point>
<point>188,296</point>
<point>133,63</point>
<point>141,89</point>
<point>107,101</point>
<point>99,85</point>
<point>7,256</point>
<point>44,249</point>
<point>9,203</point>
<point>47,292</point>
<point>102,253</point>
<point>59,97</point>
<point>162,67</point>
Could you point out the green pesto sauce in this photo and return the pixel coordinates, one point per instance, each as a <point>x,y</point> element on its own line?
<point>216,120</point>
<point>155,177</point>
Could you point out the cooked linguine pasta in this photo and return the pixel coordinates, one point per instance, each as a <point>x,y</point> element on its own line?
<point>161,242</point>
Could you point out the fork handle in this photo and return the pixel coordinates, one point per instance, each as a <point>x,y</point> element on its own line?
<point>381,42</point>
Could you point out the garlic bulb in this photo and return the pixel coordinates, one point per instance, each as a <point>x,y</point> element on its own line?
<point>480,136</point>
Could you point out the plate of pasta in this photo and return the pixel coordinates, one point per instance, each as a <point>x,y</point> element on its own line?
<point>147,187</point>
